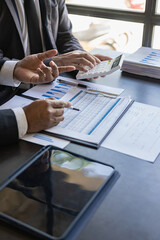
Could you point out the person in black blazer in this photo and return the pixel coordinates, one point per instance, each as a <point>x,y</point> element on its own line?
<point>57,34</point>
<point>59,29</point>
<point>40,114</point>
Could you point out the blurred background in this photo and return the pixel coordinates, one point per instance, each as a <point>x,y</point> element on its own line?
<point>122,25</point>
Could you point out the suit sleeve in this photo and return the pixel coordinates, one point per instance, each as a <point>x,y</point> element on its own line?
<point>66,42</point>
<point>2,61</point>
<point>11,47</point>
<point>8,127</point>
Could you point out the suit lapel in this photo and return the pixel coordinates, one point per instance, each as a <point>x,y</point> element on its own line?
<point>15,18</point>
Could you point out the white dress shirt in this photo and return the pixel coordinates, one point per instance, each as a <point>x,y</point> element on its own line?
<point>21,121</point>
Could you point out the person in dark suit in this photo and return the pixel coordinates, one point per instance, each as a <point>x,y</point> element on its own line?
<point>56,28</point>
<point>47,27</point>
<point>55,32</point>
<point>40,114</point>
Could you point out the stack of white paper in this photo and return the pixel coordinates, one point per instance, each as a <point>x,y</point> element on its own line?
<point>145,61</point>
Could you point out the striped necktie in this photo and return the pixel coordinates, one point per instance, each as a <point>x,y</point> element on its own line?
<point>33,27</point>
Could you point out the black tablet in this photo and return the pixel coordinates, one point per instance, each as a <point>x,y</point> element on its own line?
<point>50,196</point>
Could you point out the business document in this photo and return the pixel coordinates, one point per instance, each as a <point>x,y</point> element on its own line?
<point>145,61</point>
<point>58,89</point>
<point>138,133</point>
<point>97,116</point>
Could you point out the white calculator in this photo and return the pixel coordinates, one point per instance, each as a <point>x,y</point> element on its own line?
<point>102,69</point>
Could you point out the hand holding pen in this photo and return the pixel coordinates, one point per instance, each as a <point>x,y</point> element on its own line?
<point>45,113</point>
<point>66,104</point>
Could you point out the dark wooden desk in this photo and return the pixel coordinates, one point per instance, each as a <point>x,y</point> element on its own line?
<point>131,210</point>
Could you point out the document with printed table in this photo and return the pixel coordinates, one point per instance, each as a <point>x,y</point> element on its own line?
<point>95,119</point>
<point>100,108</point>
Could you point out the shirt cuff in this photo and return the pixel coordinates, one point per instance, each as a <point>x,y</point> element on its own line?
<point>21,121</point>
<point>6,74</point>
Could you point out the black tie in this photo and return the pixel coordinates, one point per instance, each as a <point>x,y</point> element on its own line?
<point>33,27</point>
<point>48,43</point>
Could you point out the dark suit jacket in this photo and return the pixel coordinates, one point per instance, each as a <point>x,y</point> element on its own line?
<point>8,127</point>
<point>59,29</point>
<point>58,25</point>
<point>60,34</point>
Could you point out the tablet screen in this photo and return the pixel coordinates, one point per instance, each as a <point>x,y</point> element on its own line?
<point>52,192</point>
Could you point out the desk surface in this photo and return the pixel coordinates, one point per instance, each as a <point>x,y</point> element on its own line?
<point>131,210</point>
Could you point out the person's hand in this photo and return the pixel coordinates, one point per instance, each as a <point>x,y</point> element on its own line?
<point>102,57</point>
<point>31,69</point>
<point>79,59</point>
<point>43,114</point>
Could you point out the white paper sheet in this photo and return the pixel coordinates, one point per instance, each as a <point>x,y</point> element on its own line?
<point>145,56</point>
<point>44,140</point>
<point>16,101</point>
<point>137,133</point>
<point>145,61</point>
<point>53,89</point>
<point>58,90</point>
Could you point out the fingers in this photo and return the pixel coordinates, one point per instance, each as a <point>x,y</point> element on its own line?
<point>47,74</point>
<point>55,115</point>
<point>56,120</point>
<point>56,112</point>
<point>90,62</point>
<point>96,60</point>
<point>66,69</point>
<point>47,54</point>
<point>85,59</point>
<point>102,57</point>
<point>43,114</point>
<point>60,104</point>
<point>55,71</point>
<point>41,74</point>
<point>77,59</point>
<point>82,63</point>
<point>67,104</point>
<point>51,98</point>
<point>89,57</point>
